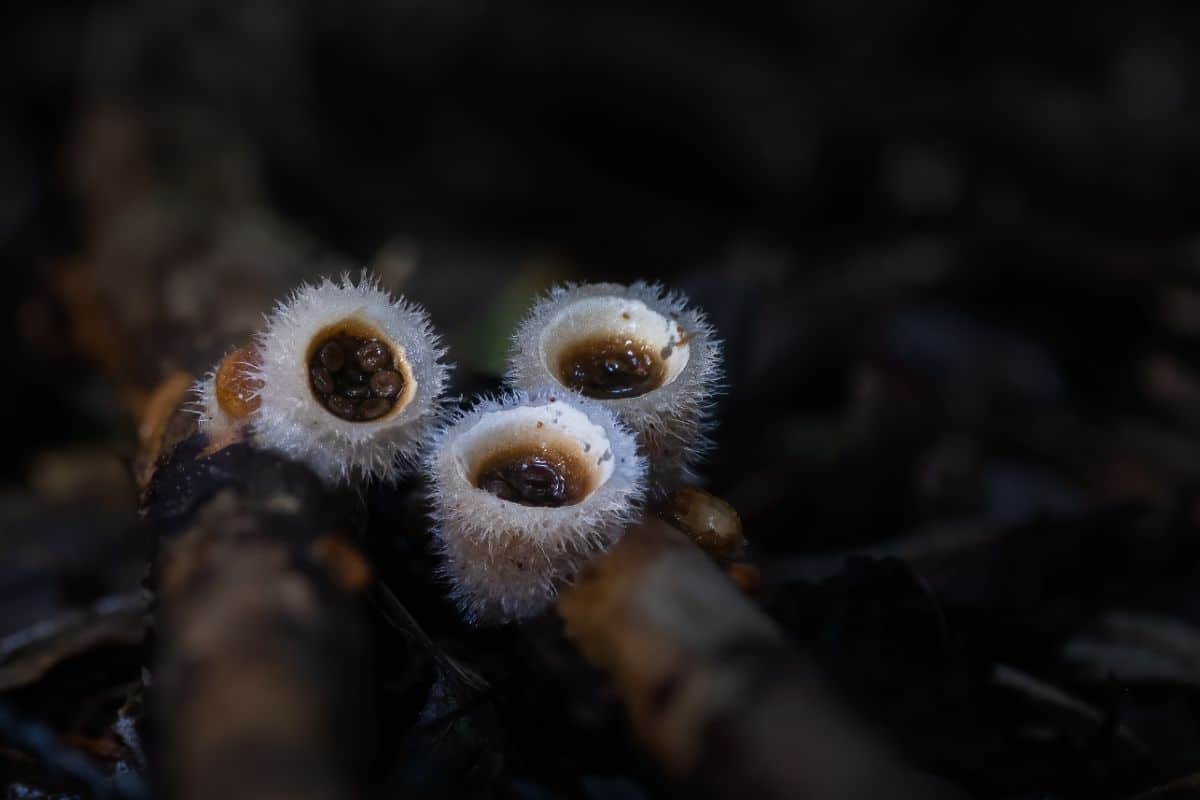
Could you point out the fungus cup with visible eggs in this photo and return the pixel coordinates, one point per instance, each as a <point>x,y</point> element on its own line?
<point>349,380</point>
<point>639,351</point>
<point>525,490</point>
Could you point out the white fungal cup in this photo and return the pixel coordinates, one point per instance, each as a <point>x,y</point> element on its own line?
<point>506,558</point>
<point>535,429</point>
<point>616,317</point>
<point>292,419</point>
<point>669,411</point>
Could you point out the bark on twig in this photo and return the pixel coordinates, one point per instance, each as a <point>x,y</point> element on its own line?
<point>260,670</point>
<point>713,690</point>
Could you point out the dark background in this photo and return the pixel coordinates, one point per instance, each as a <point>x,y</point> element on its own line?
<point>951,249</point>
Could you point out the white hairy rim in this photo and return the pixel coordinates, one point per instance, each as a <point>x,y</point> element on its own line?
<point>672,420</point>
<point>505,560</point>
<point>214,421</point>
<point>292,421</point>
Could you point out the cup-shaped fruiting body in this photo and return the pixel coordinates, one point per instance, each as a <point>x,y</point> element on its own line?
<point>229,394</point>
<point>350,380</point>
<point>638,350</point>
<point>525,490</point>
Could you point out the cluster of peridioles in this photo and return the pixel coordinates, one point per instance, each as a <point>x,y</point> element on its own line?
<point>608,403</point>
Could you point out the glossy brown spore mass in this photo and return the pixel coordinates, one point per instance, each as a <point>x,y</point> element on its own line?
<point>611,367</point>
<point>539,476</point>
<point>355,376</point>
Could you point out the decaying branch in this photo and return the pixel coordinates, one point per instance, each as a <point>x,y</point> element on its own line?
<point>712,689</point>
<point>260,672</point>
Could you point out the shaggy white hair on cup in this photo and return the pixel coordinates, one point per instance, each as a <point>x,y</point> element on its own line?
<point>213,420</point>
<point>292,421</point>
<point>503,560</point>
<point>671,420</point>
<point>228,382</point>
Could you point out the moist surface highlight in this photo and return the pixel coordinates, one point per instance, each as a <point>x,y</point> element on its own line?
<point>354,376</point>
<point>610,367</point>
<point>541,476</point>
